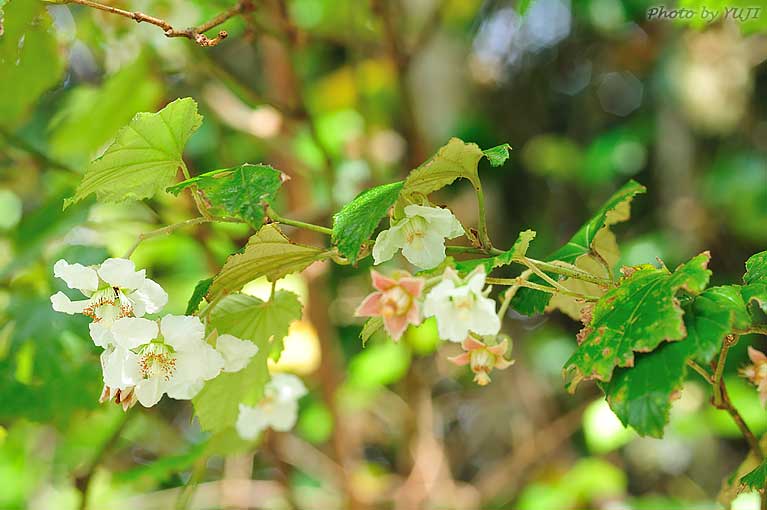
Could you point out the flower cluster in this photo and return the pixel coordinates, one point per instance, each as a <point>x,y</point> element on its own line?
<point>142,361</point>
<point>463,311</point>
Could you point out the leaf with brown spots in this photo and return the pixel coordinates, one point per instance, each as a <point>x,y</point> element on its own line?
<point>637,316</point>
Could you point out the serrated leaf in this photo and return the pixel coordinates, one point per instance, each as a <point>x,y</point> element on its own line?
<point>637,316</point>
<point>641,396</point>
<point>756,479</point>
<point>241,191</point>
<point>517,250</point>
<point>498,155</point>
<point>268,253</point>
<point>455,160</point>
<point>617,209</point>
<point>29,58</point>
<point>197,295</point>
<point>144,157</point>
<point>756,268</point>
<point>372,326</point>
<point>357,220</point>
<point>248,318</point>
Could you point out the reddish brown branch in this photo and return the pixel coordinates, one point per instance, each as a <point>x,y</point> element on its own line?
<point>196,34</point>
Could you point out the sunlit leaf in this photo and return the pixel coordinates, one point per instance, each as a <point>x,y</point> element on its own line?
<point>261,322</point>
<point>268,253</point>
<point>144,157</point>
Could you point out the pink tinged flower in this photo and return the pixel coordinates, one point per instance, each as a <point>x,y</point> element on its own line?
<point>482,358</point>
<point>395,300</point>
<point>756,373</point>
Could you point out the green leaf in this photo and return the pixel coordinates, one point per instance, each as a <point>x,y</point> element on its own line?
<point>357,220</point>
<point>757,479</point>
<point>756,268</point>
<point>498,155</point>
<point>268,253</point>
<point>197,295</point>
<point>641,395</point>
<point>29,59</point>
<point>455,160</point>
<point>144,157</point>
<point>637,316</point>
<point>372,326</point>
<point>248,318</point>
<point>617,209</point>
<point>517,250</point>
<point>241,191</point>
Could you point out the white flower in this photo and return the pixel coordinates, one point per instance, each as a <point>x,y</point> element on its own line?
<point>175,360</point>
<point>278,409</point>
<point>461,306</point>
<point>113,290</point>
<point>235,352</point>
<point>420,235</point>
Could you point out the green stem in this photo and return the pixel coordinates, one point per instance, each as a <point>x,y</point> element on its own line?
<point>702,371</point>
<point>201,207</point>
<point>553,267</point>
<point>548,279</point>
<point>530,285</point>
<point>509,295</point>
<point>298,224</point>
<point>484,237</point>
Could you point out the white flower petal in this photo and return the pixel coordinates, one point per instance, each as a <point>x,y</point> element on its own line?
<point>101,334</point>
<point>130,332</point>
<point>287,387</point>
<point>476,280</point>
<point>387,243</point>
<point>148,298</point>
<point>182,332</point>
<point>484,320</point>
<point>198,362</point>
<point>185,391</point>
<point>121,273</point>
<point>76,276</point>
<point>150,391</point>
<point>61,303</point>
<point>425,252</point>
<point>250,422</point>
<point>283,415</point>
<point>236,353</point>
<point>441,221</point>
<point>120,368</point>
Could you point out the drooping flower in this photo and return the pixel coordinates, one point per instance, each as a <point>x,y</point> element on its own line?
<point>462,306</point>
<point>420,235</point>
<point>278,409</point>
<point>113,290</point>
<point>174,359</point>
<point>756,372</point>
<point>482,358</point>
<point>396,300</point>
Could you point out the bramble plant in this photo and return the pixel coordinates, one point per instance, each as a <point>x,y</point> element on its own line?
<point>644,327</point>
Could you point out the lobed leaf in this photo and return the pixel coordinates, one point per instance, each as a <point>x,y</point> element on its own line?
<point>144,157</point>
<point>241,191</point>
<point>637,316</point>
<point>641,396</point>
<point>617,209</point>
<point>497,155</point>
<point>268,253</point>
<point>755,480</point>
<point>357,220</point>
<point>261,322</point>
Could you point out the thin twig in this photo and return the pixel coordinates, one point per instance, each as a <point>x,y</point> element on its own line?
<point>702,371</point>
<point>172,228</point>
<point>530,285</point>
<point>272,214</point>
<point>548,279</point>
<point>721,399</point>
<point>196,34</point>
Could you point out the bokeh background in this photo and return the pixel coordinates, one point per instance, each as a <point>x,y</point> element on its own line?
<point>342,95</point>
